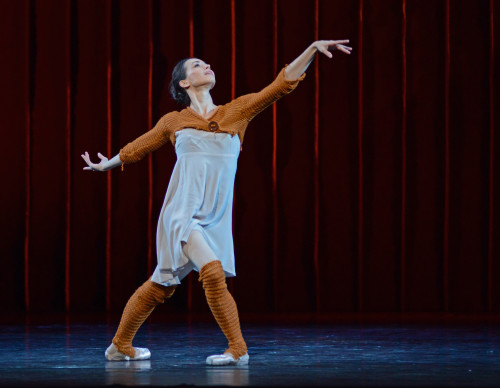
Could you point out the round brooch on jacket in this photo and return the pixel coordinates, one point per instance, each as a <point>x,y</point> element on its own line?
<point>213,126</point>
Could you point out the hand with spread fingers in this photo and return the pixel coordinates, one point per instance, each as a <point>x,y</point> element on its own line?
<point>302,62</point>
<point>324,46</point>
<point>102,166</point>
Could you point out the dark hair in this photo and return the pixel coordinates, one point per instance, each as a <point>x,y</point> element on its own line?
<point>178,93</point>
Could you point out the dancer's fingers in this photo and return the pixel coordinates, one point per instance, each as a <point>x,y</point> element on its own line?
<point>340,48</point>
<point>346,47</point>
<point>332,42</point>
<point>86,158</point>
<point>321,49</point>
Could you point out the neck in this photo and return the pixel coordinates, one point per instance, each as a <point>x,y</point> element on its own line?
<point>201,101</point>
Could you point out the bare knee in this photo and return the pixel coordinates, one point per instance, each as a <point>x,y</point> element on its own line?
<point>198,250</point>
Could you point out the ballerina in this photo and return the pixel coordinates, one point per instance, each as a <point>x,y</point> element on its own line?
<point>194,228</point>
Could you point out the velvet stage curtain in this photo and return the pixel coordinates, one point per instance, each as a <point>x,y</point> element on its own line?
<point>372,188</point>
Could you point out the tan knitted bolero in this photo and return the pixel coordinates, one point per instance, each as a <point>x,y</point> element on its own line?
<point>232,118</point>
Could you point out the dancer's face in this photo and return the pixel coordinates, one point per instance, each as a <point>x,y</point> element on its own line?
<point>198,73</point>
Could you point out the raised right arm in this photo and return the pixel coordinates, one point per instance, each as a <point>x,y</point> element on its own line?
<point>252,104</point>
<point>288,78</point>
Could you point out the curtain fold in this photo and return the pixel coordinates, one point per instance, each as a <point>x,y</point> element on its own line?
<point>406,152</point>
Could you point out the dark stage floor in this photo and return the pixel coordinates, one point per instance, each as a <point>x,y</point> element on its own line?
<point>286,355</point>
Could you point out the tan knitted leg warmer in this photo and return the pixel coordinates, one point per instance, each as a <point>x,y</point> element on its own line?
<point>138,308</point>
<point>223,306</point>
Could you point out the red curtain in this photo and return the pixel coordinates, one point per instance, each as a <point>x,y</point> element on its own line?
<point>371,188</point>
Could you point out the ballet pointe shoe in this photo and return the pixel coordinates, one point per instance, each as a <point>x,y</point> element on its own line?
<point>225,312</point>
<point>227,359</point>
<point>138,308</point>
<point>112,354</point>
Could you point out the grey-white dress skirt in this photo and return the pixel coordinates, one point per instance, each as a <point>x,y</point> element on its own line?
<point>199,197</point>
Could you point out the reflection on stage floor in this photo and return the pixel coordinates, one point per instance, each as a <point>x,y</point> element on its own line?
<point>280,355</point>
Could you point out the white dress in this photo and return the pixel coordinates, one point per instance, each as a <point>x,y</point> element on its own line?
<point>199,197</point>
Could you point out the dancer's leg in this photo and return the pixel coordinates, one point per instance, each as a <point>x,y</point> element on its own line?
<point>138,308</point>
<point>218,297</point>
<point>225,312</point>
<point>198,250</point>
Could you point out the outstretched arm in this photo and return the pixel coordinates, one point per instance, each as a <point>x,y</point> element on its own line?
<point>137,149</point>
<point>295,69</point>
<point>288,78</point>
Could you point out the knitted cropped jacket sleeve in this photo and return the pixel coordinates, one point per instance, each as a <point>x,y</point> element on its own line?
<point>232,118</point>
<point>254,103</point>
<point>150,141</point>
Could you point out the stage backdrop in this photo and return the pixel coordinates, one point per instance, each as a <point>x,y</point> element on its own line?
<point>373,187</point>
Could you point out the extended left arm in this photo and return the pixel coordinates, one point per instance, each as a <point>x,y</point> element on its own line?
<point>294,70</point>
<point>288,78</point>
